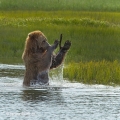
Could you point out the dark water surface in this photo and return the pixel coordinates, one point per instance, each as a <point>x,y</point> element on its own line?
<point>61,100</point>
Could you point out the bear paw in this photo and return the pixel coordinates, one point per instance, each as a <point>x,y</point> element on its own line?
<point>56,43</point>
<point>66,46</point>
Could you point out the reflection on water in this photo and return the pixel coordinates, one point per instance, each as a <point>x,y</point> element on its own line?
<point>61,100</point>
<point>42,95</point>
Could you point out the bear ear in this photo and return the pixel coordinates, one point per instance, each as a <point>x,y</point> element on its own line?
<point>31,36</point>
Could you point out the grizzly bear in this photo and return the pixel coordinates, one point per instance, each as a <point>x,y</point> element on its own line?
<point>39,59</point>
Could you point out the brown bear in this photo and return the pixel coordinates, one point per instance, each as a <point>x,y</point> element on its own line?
<point>38,58</point>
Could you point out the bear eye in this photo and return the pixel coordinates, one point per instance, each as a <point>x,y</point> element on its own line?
<point>43,41</point>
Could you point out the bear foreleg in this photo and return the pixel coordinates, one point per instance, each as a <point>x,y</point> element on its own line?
<point>59,58</point>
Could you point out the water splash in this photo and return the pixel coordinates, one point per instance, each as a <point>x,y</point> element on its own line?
<point>56,76</point>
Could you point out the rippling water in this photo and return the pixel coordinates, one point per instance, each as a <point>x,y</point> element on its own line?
<point>61,100</point>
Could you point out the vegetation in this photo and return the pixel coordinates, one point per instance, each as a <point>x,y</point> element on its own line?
<point>94,56</point>
<point>52,5</point>
<point>102,72</point>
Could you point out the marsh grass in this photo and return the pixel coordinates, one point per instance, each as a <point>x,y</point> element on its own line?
<point>102,72</point>
<point>53,5</point>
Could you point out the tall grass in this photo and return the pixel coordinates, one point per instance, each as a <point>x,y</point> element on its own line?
<point>52,5</point>
<point>102,72</point>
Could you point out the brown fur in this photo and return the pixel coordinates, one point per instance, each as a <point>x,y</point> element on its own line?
<point>36,56</point>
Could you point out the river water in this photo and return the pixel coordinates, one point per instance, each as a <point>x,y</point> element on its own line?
<point>61,100</point>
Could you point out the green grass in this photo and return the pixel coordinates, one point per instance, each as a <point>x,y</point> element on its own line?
<point>53,5</point>
<point>93,28</point>
<point>102,72</point>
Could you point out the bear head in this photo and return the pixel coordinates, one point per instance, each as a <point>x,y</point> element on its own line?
<point>36,42</point>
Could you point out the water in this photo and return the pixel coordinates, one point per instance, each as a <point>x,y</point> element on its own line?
<point>61,100</point>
